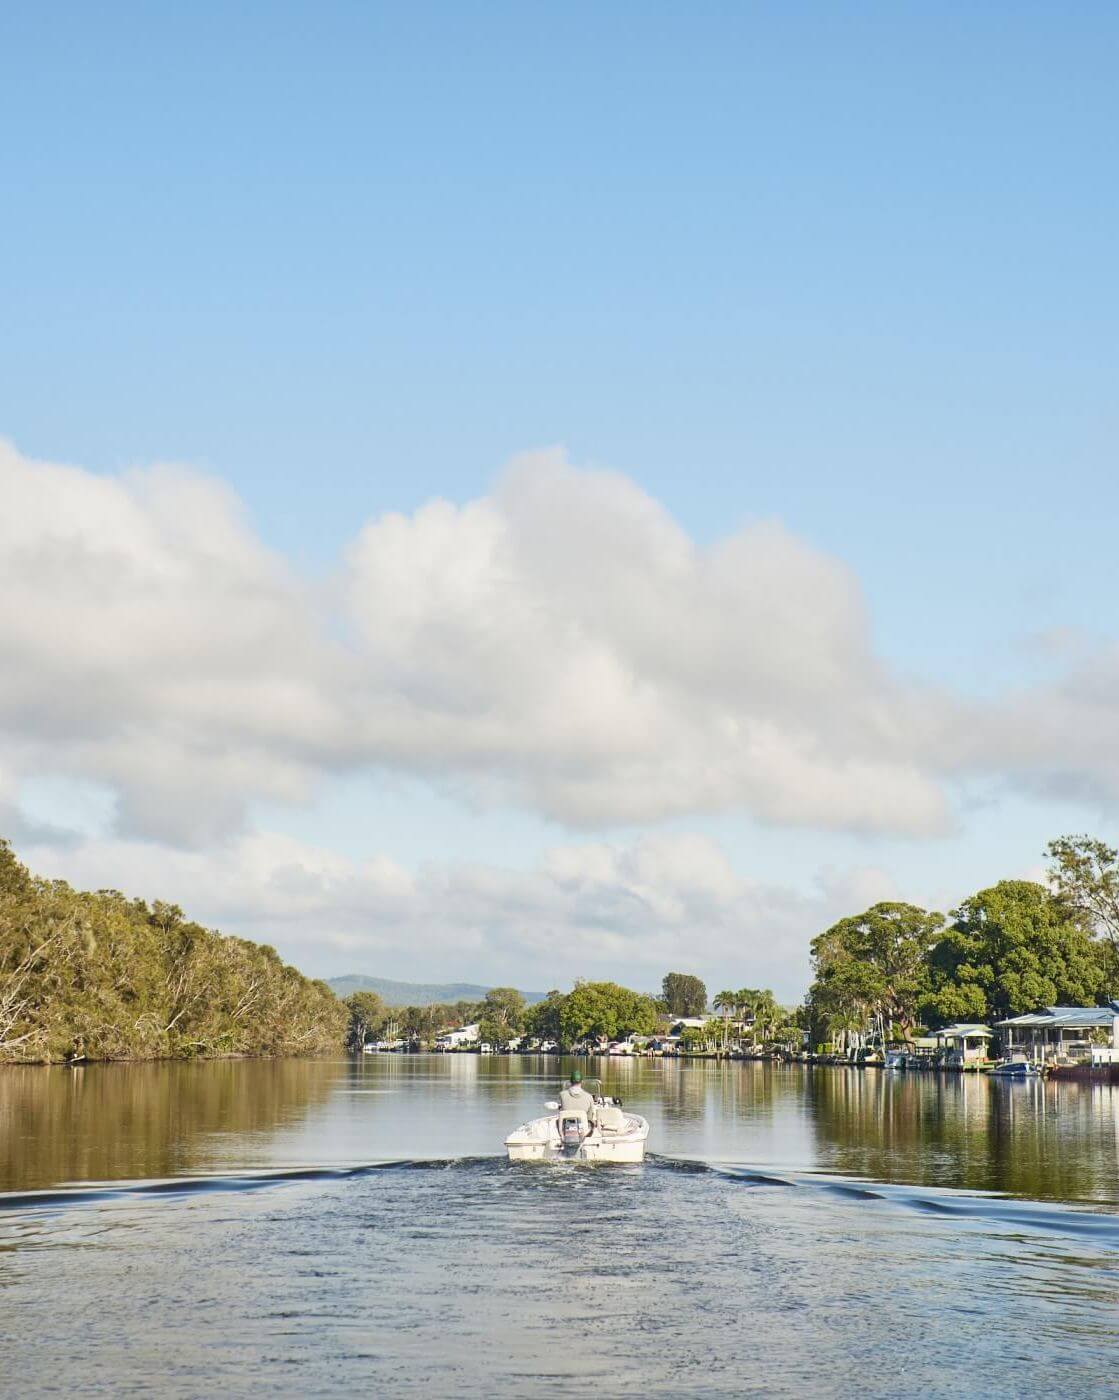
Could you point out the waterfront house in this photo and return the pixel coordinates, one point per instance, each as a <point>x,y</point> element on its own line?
<point>963,1044</point>
<point>1085,1033</point>
<point>457,1039</point>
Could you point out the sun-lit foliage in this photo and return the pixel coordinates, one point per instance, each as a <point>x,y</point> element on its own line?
<point>102,977</point>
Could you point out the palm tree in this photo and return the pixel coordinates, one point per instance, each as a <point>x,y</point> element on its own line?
<point>746,999</point>
<point>765,1011</point>
<point>726,1002</point>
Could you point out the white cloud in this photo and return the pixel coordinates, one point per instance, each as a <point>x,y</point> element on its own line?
<point>564,640</point>
<point>560,645</point>
<point>150,643</point>
<point>631,912</point>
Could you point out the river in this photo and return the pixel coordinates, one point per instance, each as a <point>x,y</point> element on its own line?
<point>316,1227</point>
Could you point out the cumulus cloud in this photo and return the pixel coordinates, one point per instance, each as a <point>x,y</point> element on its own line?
<point>152,644</point>
<point>565,640</point>
<point>630,912</point>
<point>560,644</point>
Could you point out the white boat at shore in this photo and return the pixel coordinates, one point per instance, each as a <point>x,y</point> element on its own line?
<point>568,1135</point>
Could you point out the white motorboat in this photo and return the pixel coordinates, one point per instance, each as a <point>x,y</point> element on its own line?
<point>568,1135</point>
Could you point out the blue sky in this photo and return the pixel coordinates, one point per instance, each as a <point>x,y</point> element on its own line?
<point>849,268</point>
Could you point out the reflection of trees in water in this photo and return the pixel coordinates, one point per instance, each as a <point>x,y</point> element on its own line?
<point>1055,1141</point>
<point>692,1089</point>
<point>124,1121</point>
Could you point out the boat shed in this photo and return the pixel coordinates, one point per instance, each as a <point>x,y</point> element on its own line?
<point>964,1044</point>
<point>1088,1033</point>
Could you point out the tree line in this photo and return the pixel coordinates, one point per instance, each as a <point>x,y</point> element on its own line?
<point>590,1012</point>
<point>1006,950</point>
<point>98,976</point>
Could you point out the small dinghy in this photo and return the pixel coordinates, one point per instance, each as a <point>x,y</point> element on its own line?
<point>569,1135</point>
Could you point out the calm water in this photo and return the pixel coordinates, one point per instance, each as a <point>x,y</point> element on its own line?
<point>316,1227</point>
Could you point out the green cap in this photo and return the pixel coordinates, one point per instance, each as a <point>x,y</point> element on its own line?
<point>576,1076</point>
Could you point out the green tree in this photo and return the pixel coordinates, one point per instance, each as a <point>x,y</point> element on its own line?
<point>683,994</point>
<point>493,1032</point>
<point>785,1032</point>
<point>702,1039</point>
<point>1084,876</point>
<point>875,963</point>
<point>367,1018</point>
<point>727,1003</point>
<point>543,1019</point>
<point>1010,949</point>
<point>605,1010</point>
<point>759,1005</point>
<point>98,976</point>
<point>506,1007</point>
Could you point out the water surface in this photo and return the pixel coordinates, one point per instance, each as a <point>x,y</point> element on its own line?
<point>306,1227</point>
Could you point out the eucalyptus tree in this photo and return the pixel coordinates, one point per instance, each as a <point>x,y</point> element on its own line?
<point>367,1018</point>
<point>1084,877</point>
<point>502,1016</point>
<point>875,963</point>
<point>99,976</point>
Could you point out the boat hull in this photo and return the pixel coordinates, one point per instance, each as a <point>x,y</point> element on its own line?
<point>540,1141</point>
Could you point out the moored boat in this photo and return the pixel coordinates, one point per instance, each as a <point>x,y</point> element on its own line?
<point>1014,1067</point>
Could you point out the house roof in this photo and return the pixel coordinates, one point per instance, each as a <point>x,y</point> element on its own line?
<point>1070,1017</point>
<point>966,1028</point>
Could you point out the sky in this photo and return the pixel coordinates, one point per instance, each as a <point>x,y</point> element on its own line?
<point>509,493</point>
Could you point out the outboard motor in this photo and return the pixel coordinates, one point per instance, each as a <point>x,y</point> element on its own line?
<point>573,1129</point>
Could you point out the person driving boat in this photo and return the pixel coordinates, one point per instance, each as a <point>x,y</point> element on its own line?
<point>574,1097</point>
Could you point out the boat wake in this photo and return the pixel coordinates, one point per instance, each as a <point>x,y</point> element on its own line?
<point>1083,1220</point>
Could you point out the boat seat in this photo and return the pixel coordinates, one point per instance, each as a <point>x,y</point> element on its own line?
<point>611,1118</point>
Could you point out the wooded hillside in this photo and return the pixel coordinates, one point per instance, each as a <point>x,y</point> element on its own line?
<point>110,978</point>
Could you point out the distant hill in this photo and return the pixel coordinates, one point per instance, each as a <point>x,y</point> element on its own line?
<point>414,993</point>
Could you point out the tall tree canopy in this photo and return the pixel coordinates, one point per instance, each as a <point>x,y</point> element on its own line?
<point>367,1018</point>
<point>543,1019</point>
<point>874,963</point>
<point>105,977</point>
<point>1010,949</point>
<point>1084,874</point>
<point>603,1009</point>
<point>501,1016</point>
<point>683,994</point>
